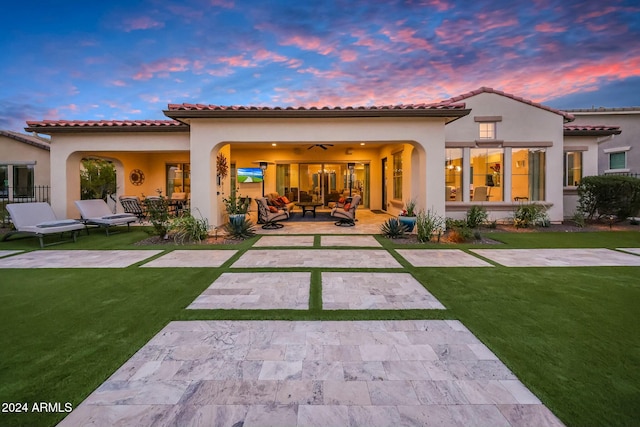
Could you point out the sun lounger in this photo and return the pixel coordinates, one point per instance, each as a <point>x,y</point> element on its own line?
<point>96,212</point>
<point>39,220</point>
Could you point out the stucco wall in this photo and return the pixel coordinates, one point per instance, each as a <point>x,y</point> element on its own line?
<point>521,125</point>
<point>16,151</point>
<point>588,146</point>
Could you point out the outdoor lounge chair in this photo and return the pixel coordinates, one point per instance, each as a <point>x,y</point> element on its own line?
<point>132,205</point>
<point>96,212</point>
<point>346,214</point>
<point>268,218</point>
<point>39,220</point>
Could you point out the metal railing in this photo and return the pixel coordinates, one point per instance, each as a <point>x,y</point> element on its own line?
<point>35,193</point>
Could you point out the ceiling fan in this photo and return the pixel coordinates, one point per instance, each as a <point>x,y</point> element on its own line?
<point>323,146</point>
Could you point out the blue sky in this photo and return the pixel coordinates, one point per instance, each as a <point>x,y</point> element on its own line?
<point>95,60</point>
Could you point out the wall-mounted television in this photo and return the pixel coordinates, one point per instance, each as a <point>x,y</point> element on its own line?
<point>246,175</point>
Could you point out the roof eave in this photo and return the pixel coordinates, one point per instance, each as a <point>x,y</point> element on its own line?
<point>48,130</point>
<point>591,132</point>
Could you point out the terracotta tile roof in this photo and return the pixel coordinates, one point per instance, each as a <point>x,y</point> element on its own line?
<point>568,117</point>
<point>450,109</point>
<point>69,125</point>
<point>423,106</point>
<point>36,141</point>
<point>604,110</point>
<point>593,130</point>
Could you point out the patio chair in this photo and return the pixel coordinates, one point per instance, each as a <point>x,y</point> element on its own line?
<point>346,214</point>
<point>97,212</point>
<point>132,205</point>
<point>39,220</point>
<point>268,217</point>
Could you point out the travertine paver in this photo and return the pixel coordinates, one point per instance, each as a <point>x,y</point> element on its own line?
<point>284,241</point>
<point>365,291</point>
<point>441,258</point>
<point>559,257</point>
<point>635,251</point>
<point>256,291</point>
<point>7,253</point>
<point>374,373</point>
<point>337,258</point>
<point>354,241</point>
<point>77,259</point>
<point>192,258</point>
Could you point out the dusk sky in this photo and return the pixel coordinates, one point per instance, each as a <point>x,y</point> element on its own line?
<point>117,59</point>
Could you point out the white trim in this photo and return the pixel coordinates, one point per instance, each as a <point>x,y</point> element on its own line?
<point>617,170</point>
<point>616,150</point>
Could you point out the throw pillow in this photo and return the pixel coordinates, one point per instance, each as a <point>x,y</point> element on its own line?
<point>279,203</point>
<point>341,200</point>
<point>285,200</point>
<point>273,209</point>
<point>347,206</point>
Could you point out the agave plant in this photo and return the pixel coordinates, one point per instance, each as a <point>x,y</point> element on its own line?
<point>240,229</point>
<point>392,229</point>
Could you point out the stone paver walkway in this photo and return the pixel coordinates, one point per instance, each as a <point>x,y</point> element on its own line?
<point>353,241</point>
<point>559,257</point>
<point>265,241</point>
<point>635,251</point>
<point>441,258</point>
<point>272,373</point>
<point>256,292</point>
<point>382,291</point>
<point>77,259</point>
<point>192,258</point>
<point>7,253</point>
<point>313,258</point>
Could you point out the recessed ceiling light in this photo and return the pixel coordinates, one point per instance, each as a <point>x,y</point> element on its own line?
<point>362,143</point>
<point>274,144</point>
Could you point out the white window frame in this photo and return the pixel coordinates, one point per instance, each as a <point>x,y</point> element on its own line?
<point>616,150</point>
<point>566,166</point>
<point>487,131</point>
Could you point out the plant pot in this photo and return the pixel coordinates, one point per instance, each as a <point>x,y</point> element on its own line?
<point>409,222</point>
<point>236,218</point>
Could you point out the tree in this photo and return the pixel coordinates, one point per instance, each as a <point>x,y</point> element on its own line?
<point>97,179</point>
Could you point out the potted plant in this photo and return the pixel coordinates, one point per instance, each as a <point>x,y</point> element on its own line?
<point>407,216</point>
<point>236,207</point>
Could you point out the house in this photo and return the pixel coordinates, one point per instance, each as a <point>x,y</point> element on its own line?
<point>485,146</point>
<point>617,153</point>
<point>24,167</point>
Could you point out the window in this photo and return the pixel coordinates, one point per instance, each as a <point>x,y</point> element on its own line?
<point>4,181</point>
<point>486,174</point>
<point>23,181</point>
<point>528,174</point>
<point>453,175</point>
<point>178,178</point>
<point>397,176</point>
<point>572,168</point>
<point>618,160</point>
<point>487,130</point>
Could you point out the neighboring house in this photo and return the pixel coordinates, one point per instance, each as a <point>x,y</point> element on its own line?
<point>484,147</point>
<point>24,166</point>
<point>617,153</point>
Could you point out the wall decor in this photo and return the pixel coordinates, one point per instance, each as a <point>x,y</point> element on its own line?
<point>136,177</point>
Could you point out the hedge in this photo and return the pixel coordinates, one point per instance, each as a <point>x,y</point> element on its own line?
<point>609,195</point>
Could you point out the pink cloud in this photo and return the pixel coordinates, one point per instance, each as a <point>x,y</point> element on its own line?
<point>348,55</point>
<point>161,68</point>
<point>510,41</point>
<point>266,55</point>
<point>596,14</point>
<point>236,61</point>
<point>119,83</point>
<point>407,36</point>
<point>142,23</point>
<point>547,27</point>
<point>311,43</point>
<point>227,4</point>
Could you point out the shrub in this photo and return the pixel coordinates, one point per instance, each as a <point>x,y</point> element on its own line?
<point>428,223</point>
<point>188,228</point>
<point>533,214</point>
<point>476,216</point>
<point>609,195</point>
<point>158,210</point>
<point>460,234</point>
<point>578,219</point>
<point>392,229</point>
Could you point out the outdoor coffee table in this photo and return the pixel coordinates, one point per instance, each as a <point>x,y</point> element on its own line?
<point>308,207</point>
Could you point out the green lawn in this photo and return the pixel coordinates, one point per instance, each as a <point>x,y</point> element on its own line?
<point>570,334</point>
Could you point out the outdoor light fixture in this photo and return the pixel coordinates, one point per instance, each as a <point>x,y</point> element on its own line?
<point>351,167</point>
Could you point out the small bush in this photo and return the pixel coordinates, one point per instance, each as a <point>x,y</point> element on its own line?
<point>578,219</point>
<point>460,234</point>
<point>476,216</point>
<point>188,228</point>
<point>527,215</point>
<point>158,210</point>
<point>392,229</point>
<point>601,196</point>
<point>428,223</point>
